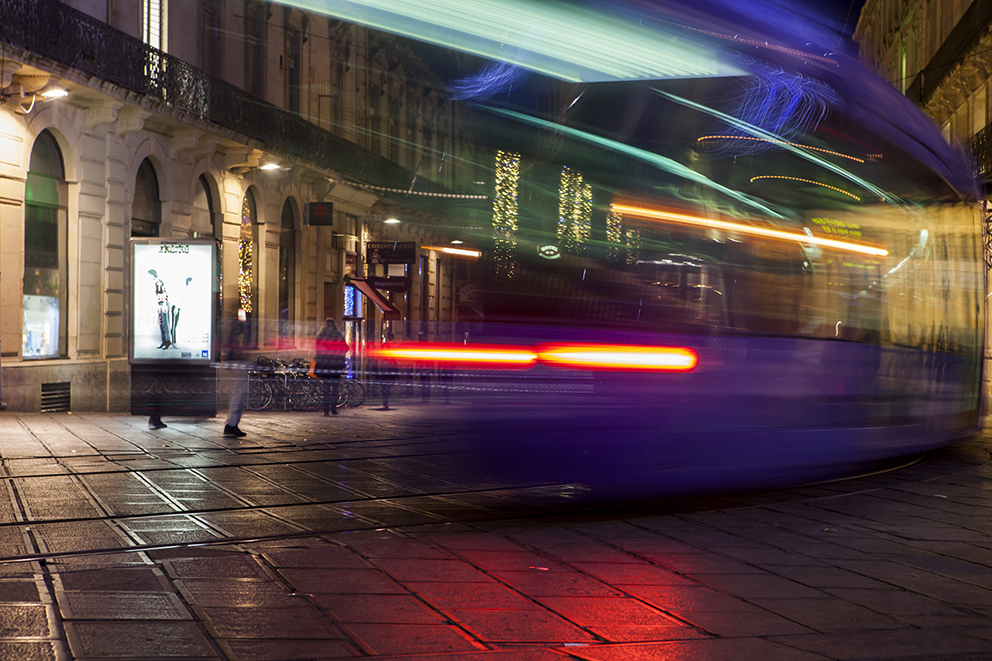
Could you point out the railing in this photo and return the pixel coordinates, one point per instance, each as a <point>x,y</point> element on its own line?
<point>78,41</point>
<point>981,149</point>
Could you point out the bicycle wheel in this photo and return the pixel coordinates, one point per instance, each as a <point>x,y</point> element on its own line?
<point>342,394</point>
<point>306,394</point>
<point>355,393</point>
<point>260,395</point>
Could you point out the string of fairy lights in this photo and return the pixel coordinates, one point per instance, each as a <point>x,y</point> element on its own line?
<point>805,181</point>
<point>505,213</point>
<point>574,211</point>
<point>633,244</point>
<point>245,254</point>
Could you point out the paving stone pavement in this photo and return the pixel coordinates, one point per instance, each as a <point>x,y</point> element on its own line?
<point>308,542</point>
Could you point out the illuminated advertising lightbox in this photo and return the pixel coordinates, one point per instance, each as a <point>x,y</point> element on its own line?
<point>173,300</point>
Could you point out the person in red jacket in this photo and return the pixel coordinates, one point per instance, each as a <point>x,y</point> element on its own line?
<point>329,363</point>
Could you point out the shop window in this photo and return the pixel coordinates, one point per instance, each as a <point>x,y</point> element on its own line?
<point>45,253</point>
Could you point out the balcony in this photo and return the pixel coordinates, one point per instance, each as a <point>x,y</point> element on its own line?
<point>70,39</point>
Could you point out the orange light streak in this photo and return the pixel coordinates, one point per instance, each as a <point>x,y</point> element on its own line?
<point>807,181</point>
<point>740,228</point>
<point>459,252</point>
<point>779,142</point>
<point>619,357</point>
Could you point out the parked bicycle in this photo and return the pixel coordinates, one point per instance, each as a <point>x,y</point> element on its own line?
<point>274,383</point>
<point>351,393</point>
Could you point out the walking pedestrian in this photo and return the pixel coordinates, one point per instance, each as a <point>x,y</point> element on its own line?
<point>238,338</point>
<point>330,350</point>
<point>385,372</point>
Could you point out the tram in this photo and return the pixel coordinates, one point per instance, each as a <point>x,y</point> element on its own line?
<point>740,260</point>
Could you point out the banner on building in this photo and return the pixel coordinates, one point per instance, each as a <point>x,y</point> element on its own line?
<point>390,252</point>
<point>174,298</point>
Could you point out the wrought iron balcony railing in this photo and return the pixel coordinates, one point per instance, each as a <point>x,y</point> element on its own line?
<point>63,35</point>
<point>981,148</point>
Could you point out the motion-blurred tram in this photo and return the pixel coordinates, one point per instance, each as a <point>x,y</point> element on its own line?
<point>738,259</point>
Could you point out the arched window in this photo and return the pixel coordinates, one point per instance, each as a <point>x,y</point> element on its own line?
<point>202,223</point>
<point>45,252</point>
<point>246,257</point>
<point>146,211</point>
<point>287,274</point>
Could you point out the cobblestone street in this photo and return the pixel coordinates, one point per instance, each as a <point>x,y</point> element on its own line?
<point>311,539</point>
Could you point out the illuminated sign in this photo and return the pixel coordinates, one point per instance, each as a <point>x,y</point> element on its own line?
<point>549,252</point>
<point>390,252</point>
<point>173,300</point>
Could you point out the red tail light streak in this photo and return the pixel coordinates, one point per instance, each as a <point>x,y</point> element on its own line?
<point>575,356</point>
<point>624,358</point>
<point>500,357</point>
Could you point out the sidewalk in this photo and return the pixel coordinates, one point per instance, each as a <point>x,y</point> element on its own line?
<point>426,566</point>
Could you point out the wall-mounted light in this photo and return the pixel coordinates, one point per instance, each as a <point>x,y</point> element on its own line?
<point>457,242</point>
<point>269,166</point>
<point>392,221</point>
<point>23,101</point>
<point>54,93</point>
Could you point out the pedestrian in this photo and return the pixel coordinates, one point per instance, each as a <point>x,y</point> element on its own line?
<point>385,372</point>
<point>330,350</point>
<point>238,338</point>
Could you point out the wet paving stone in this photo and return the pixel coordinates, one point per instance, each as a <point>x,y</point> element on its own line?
<point>121,606</point>
<point>32,650</point>
<point>117,579</point>
<point>137,640</point>
<point>19,591</point>
<point>253,622</point>
<point>18,621</point>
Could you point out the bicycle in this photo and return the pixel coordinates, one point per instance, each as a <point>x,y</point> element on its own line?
<point>351,393</point>
<point>274,381</point>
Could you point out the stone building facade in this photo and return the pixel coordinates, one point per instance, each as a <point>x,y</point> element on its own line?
<point>939,53</point>
<point>175,111</point>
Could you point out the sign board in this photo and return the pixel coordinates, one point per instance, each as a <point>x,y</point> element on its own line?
<point>390,252</point>
<point>174,295</point>
<point>466,293</point>
<point>397,284</point>
<point>319,214</point>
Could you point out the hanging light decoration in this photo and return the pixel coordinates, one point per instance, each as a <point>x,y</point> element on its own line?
<point>614,234</point>
<point>505,213</point>
<point>574,211</point>
<point>245,254</point>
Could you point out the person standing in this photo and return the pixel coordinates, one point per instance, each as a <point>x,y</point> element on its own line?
<point>330,351</point>
<point>385,372</point>
<point>238,338</point>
